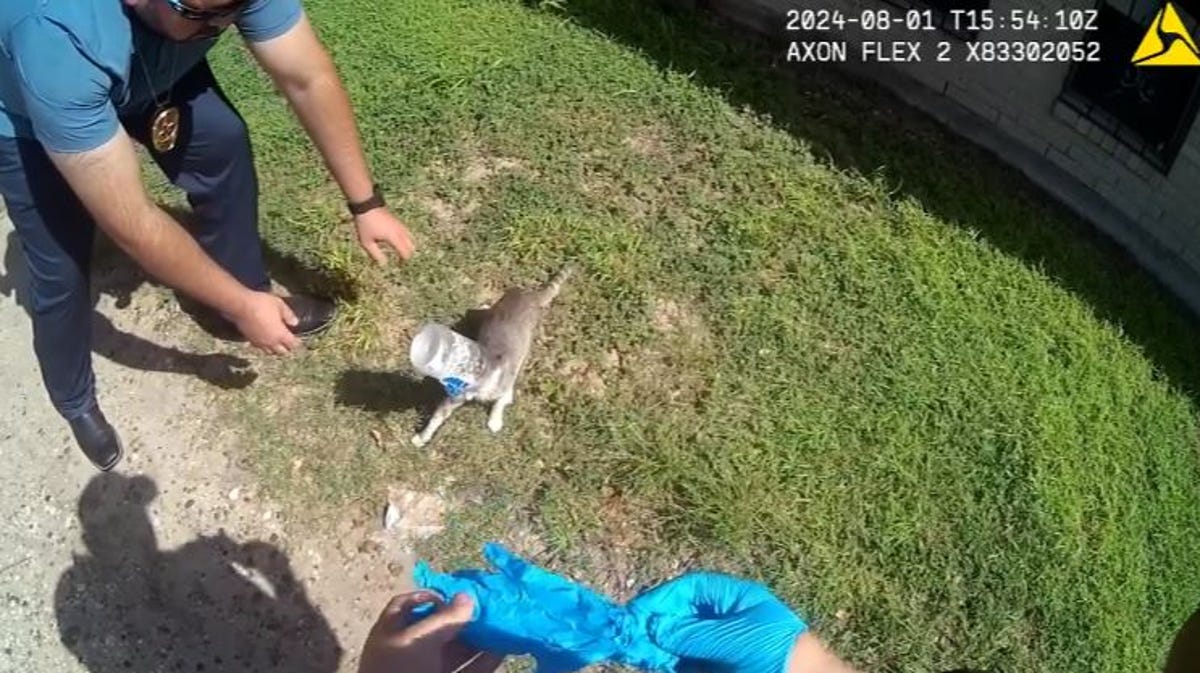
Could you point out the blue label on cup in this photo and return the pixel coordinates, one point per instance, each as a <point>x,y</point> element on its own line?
<point>454,386</point>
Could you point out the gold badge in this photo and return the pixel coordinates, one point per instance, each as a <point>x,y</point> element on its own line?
<point>164,128</point>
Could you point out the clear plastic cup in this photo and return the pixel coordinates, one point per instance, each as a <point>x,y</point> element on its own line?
<point>443,354</point>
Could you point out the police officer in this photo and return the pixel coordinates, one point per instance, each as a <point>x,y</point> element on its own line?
<point>80,82</point>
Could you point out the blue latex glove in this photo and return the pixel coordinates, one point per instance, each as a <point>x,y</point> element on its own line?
<point>521,609</point>
<point>721,623</point>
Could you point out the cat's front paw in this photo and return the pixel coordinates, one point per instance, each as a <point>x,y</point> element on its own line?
<point>418,441</point>
<point>495,424</point>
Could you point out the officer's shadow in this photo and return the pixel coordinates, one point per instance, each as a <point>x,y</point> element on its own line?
<point>114,275</point>
<point>211,605</point>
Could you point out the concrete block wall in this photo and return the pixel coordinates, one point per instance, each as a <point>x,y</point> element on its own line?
<point>1157,216</point>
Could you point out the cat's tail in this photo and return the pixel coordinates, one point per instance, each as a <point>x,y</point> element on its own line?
<point>552,287</point>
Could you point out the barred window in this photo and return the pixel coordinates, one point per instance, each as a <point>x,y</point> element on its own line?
<point>1149,109</point>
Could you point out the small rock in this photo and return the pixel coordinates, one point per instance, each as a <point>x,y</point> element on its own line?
<point>395,569</point>
<point>235,493</point>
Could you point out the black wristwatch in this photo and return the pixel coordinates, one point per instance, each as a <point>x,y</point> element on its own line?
<point>375,201</point>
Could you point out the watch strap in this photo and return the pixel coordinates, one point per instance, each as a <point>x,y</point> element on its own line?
<point>371,203</point>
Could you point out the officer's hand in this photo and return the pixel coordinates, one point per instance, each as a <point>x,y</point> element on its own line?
<point>381,226</point>
<point>264,319</point>
<point>397,644</point>
<point>720,623</point>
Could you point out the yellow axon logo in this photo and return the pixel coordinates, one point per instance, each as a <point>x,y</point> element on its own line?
<point>1167,42</point>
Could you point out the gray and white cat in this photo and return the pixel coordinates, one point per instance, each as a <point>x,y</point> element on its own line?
<point>506,331</point>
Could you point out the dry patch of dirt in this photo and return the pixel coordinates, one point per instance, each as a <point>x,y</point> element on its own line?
<point>483,168</point>
<point>450,219</point>
<point>585,376</point>
<point>678,318</point>
<point>648,141</point>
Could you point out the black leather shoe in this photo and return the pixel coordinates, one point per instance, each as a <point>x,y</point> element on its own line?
<point>313,313</point>
<point>98,439</point>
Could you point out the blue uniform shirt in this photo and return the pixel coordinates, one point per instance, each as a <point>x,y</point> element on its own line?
<point>69,68</point>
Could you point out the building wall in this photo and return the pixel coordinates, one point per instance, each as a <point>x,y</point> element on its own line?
<point>1020,102</point>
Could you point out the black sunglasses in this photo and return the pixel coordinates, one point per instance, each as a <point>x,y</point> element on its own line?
<point>193,14</point>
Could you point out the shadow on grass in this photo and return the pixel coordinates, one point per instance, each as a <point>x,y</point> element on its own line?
<point>1184,656</point>
<point>861,127</point>
<point>383,392</point>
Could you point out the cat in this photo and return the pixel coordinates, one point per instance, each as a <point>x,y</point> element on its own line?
<point>506,331</point>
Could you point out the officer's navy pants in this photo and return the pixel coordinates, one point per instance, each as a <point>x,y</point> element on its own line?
<point>212,163</point>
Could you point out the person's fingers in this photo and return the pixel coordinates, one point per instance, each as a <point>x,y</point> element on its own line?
<point>395,616</point>
<point>519,570</point>
<point>401,241</point>
<point>287,343</point>
<point>502,559</point>
<point>690,637</point>
<point>373,250</point>
<point>508,563</point>
<point>286,313</point>
<point>446,622</point>
<point>673,597</point>
<point>404,604</point>
<point>704,594</point>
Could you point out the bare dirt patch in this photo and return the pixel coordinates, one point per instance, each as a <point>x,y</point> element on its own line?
<point>648,141</point>
<point>677,317</point>
<point>450,219</point>
<point>483,168</point>
<point>585,376</point>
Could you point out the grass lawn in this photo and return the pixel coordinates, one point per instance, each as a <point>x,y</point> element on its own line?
<point>814,339</point>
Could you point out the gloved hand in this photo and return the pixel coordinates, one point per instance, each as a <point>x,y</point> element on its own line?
<point>523,609</point>
<point>721,623</point>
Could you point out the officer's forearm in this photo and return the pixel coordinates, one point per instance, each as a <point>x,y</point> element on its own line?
<point>323,108</point>
<point>108,183</point>
<point>166,251</point>
<point>810,655</point>
<point>302,70</point>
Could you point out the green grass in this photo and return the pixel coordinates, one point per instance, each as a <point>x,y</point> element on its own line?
<point>815,339</point>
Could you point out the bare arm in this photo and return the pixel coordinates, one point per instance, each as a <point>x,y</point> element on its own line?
<point>109,184</point>
<point>304,73</point>
<point>810,655</point>
<point>301,68</point>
